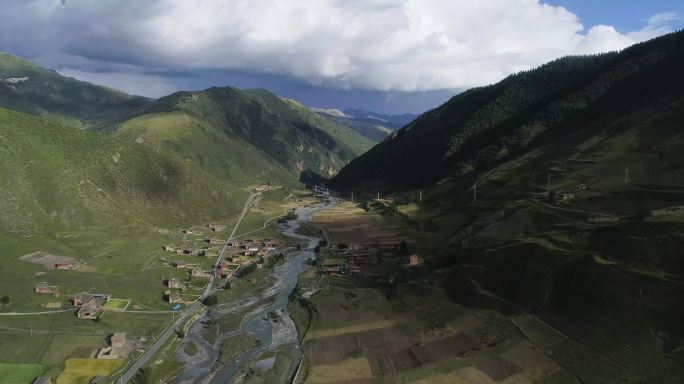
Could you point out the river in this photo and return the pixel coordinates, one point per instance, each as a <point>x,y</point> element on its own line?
<point>271,335</point>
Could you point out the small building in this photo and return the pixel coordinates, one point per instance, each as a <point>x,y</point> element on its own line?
<point>169,247</point>
<point>355,270</point>
<point>88,312</point>
<point>216,227</point>
<point>118,339</point>
<point>564,196</point>
<point>69,265</point>
<point>199,272</point>
<point>415,261</point>
<point>173,297</point>
<point>213,240</point>
<point>43,380</point>
<point>188,231</point>
<point>107,353</point>
<point>45,288</point>
<point>174,282</point>
<point>180,264</point>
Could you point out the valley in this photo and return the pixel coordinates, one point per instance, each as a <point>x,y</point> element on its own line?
<point>525,231</point>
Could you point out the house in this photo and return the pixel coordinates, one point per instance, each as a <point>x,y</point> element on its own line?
<point>415,260</point>
<point>173,297</point>
<point>43,380</point>
<point>89,311</point>
<point>355,270</point>
<point>247,253</point>
<point>107,353</point>
<point>199,272</point>
<point>216,227</point>
<point>69,265</point>
<point>46,289</point>
<point>564,196</point>
<point>118,340</point>
<point>89,304</point>
<point>180,264</point>
<point>81,299</point>
<point>174,282</point>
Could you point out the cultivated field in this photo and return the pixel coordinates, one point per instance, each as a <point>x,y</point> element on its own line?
<point>78,371</point>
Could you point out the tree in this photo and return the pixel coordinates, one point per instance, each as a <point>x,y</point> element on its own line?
<point>210,300</point>
<point>5,299</point>
<point>403,247</point>
<point>180,333</point>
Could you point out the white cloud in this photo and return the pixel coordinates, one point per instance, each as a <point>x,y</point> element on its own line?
<point>388,45</point>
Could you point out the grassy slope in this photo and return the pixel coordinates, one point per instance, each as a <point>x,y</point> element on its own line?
<point>66,177</point>
<point>227,158</point>
<point>47,93</point>
<point>283,134</point>
<point>357,143</point>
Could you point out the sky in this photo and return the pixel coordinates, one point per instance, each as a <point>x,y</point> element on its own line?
<point>389,56</point>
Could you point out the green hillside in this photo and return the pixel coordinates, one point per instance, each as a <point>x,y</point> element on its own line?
<point>371,129</point>
<point>246,135</point>
<point>485,126</point>
<point>557,192</point>
<point>29,88</point>
<point>63,177</point>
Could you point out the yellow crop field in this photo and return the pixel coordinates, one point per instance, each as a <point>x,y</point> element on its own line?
<point>79,371</point>
<point>350,329</point>
<point>352,369</point>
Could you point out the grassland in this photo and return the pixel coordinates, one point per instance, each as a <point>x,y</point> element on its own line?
<point>20,373</point>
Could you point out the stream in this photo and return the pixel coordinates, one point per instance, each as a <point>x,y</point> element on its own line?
<point>201,367</point>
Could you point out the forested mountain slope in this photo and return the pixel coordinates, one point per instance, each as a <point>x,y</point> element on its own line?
<point>485,126</point>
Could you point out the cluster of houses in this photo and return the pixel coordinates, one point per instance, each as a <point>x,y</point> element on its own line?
<point>353,259</point>
<point>348,260</point>
<point>184,251</point>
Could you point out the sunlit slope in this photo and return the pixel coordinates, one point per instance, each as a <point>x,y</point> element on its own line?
<point>59,176</point>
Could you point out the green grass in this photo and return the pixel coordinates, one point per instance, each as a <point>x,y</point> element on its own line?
<point>234,346</point>
<point>20,373</point>
<point>116,304</point>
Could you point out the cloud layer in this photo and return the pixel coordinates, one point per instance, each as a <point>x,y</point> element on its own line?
<point>386,45</point>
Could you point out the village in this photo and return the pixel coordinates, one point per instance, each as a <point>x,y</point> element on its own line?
<point>196,260</point>
<point>240,258</point>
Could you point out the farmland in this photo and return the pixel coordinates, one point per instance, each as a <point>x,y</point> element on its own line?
<point>82,370</point>
<point>362,330</point>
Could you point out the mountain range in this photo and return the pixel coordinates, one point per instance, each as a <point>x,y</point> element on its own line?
<point>186,155</point>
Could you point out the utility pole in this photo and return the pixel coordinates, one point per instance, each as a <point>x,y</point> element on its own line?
<point>420,196</point>
<point>627,175</point>
<point>378,195</point>
<point>352,197</point>
<point>475,192</point>
<point>548,181</point>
